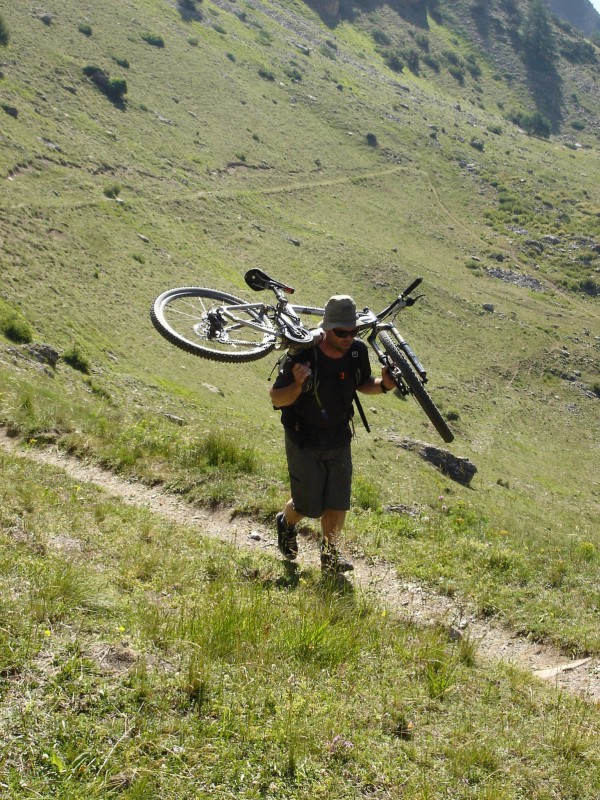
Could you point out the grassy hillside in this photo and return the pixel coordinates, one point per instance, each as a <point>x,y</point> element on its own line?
<point>265,134</point>
<point>242,141</point>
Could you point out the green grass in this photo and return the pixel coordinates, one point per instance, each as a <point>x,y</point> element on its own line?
<point>138,659</point>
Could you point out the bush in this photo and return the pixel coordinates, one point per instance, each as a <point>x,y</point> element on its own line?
<point>457,73</point>
<point>372,140</point>
<point>394,62</point>
<point>536,124</point>
<point>4,34</point>
<point>114,88</point>
<point>154,39</point>
<point>117,89</point>
<point>76,359</point>
<point>589,287</point>
<point>113,190</point>
<point>266,75</point>
<point>85,29</point>
<point>412,60</point>
<point>122,62</point>
<point>431,62</point>
<point>17,329</point>
<point>381,37</point>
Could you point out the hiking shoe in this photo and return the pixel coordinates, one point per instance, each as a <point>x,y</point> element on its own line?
<point>333,562</point>
<point>286,537</point>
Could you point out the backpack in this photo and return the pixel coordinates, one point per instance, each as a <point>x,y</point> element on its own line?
<point>310,356</point>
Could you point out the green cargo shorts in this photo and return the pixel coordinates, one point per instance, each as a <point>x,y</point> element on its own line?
<point>319,479</point>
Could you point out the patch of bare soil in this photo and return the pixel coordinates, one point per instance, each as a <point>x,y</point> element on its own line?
<point>376,579</point>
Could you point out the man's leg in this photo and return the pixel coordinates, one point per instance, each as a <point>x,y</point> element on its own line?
<point>332,561</point>
<point>287,534</point>
<point>292,517</point>
<point>332,523</point>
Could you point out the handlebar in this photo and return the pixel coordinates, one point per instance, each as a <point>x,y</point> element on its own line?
<point>412,287</point>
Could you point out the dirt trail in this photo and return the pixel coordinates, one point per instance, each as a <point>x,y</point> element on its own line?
<point>377,580</point>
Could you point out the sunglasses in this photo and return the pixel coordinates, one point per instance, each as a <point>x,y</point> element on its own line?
<point>342,334</point>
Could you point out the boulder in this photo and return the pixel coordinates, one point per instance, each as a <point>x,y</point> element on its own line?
<point>458,468</point>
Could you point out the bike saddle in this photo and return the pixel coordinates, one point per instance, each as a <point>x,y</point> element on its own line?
<point>259,280</point>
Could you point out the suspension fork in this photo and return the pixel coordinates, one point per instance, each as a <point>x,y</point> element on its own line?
<point>403,346</point>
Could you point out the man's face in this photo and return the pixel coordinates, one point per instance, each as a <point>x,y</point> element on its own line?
<point>340,339</point>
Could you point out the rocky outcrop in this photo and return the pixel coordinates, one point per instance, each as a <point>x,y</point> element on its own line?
<point>457,468</point>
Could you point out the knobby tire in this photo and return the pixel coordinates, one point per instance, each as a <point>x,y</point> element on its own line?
<point>416,387</point>
<point>181,316</point>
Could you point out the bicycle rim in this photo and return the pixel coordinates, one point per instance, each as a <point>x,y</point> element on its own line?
<point>416,388</point>
<point>187,318</point>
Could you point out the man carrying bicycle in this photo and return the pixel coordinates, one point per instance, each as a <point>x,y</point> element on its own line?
<point>314,390</point>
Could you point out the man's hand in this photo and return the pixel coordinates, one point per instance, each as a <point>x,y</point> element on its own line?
<point>287,395</point>
<point>387,379</point>
<point>301,372</point>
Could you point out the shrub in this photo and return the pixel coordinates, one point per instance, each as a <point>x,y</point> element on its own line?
<point>381,37</point>
<point>412,60</point>
<point>85,29</point>
<point>117,89</point>
<point>431,62</point>
<point>264,73</point>
<point>114,88</point>
<point>4,34</point>
<point>113,190</point>
<point>457,73</point>
<point>154,39</point>
<point>372,140</point>
<point>422,41</point>
<point>77,360</point>
<point>122,62</point>
<point>578,52</point>
<point>578,125</point>
<point>535,124</point>
<point>590,287</point>
<point>394,62</point>
<point>16,328</point>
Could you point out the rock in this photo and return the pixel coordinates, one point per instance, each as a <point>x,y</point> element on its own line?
<point>488,307</point>
<point>144,239</point>
<point>175,419</point>
<point>551,239</point>
<point>46,18</point>
<point>213,389</point>
<point>12,111</point>
<point>457,468</point>
<point>43,353</point>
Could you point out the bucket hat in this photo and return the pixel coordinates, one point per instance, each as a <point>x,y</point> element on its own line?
<point>340,312</point>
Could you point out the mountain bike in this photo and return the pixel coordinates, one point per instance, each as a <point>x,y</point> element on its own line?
<point>218,326</point>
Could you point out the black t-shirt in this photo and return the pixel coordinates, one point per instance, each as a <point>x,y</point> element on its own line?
<point>320,417</point>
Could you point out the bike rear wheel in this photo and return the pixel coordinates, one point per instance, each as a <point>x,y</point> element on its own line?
<point>189,318</point>
<point>416,387</point>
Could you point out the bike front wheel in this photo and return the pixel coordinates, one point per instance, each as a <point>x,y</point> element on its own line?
<point>192,319</point>
<point>416,387</point>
